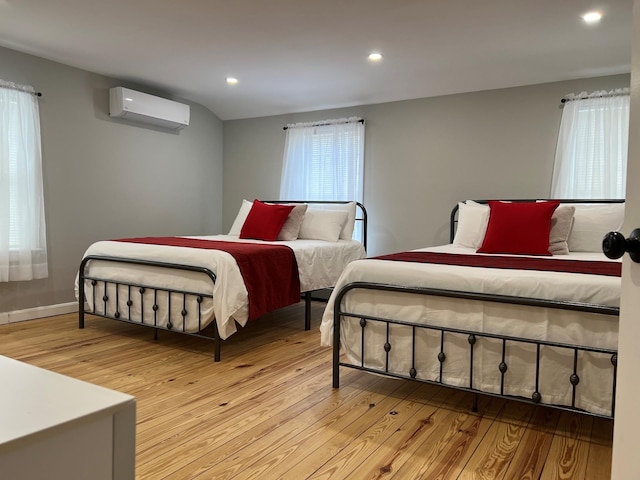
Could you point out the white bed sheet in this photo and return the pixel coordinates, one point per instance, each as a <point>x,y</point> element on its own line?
<point>537,323</point>
<point>320,264</point>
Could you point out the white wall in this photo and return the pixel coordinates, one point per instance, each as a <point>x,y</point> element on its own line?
<point>422,156</point>
<point>107,179</point>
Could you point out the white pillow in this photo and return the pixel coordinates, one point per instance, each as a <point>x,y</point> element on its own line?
<point>291,228</point>
<point>561,223</point>
<point>240,218</point>
<point>591,223</point>
<point>347,230</point>
<point>473,219</point>
<point>323,224</point>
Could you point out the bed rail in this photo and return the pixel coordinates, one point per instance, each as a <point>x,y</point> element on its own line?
<point>472,339</point>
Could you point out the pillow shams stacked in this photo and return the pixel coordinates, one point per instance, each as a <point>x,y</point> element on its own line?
<point>473,220</point>
<point>330,224</point>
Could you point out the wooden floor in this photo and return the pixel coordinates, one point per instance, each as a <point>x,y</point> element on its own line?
<point>268,411</point>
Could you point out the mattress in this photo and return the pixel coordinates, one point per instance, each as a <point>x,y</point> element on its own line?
<point>320,264</point>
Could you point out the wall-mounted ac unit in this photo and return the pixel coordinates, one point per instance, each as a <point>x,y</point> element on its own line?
<point>144,108</point>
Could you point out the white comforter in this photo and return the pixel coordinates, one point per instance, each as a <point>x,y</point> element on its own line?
<point>320,263</point>
<point>538,323</point>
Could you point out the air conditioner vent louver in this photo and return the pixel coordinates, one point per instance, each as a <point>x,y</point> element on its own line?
<point>144,108</point>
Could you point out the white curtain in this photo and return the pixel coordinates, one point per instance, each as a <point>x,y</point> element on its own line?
<point>591,154</point>
<point>23,247</point>
<point>324,161</point>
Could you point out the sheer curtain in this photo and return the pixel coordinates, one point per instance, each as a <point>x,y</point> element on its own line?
<point>23,246</point>
<point>324,161</point>
<point>591,154</point>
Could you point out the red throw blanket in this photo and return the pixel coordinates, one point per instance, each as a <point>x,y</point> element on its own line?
<point>594,267</point>
<point>270,272</point>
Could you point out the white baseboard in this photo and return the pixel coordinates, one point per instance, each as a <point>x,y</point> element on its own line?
<point>38,312</point>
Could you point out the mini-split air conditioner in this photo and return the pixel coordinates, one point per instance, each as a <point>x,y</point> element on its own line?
<point>144,108</point>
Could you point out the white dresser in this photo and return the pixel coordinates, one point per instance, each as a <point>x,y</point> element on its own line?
<point>54,427</point>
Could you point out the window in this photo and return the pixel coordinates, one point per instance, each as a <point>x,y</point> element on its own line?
<point>591,154</point>
<point>23,248</point>
<point>324,161</point>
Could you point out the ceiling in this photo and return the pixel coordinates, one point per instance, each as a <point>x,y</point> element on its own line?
<point>302,55</point>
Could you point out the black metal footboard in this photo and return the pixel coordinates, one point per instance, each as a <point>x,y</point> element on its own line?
<point>473,338</point>
<point>135,293</point>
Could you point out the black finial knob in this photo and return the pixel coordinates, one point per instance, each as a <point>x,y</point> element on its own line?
<point>614,245</point>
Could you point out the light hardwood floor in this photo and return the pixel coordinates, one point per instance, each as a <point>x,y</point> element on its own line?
<point>268,411</point>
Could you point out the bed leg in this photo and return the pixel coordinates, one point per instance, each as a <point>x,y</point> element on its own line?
<point>336,340</point>
<point>81,309</point>
<point>307,310</point>
<point>474,407</point>
<point>155,334</point>
<point>336,348</point>
<point>81,302</point>
<point>336,372</point>
<point>216,348</point>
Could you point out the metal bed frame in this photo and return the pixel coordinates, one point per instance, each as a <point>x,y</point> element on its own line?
<point>472,336</point>
<point>135,292</point>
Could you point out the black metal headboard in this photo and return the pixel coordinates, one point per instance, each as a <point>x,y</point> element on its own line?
<point>453,221</point>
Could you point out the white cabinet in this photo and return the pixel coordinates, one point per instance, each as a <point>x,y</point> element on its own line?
<point>55,427</point>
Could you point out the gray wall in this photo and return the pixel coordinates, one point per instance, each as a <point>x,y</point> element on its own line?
<point>104,178</point>
<point>422,156</point>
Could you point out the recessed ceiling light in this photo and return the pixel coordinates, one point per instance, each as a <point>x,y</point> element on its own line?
<point>232,80</point>
<point>375,57</point>
<point>592,17</point>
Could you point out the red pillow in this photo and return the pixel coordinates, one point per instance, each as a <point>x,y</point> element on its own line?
<point>518,227</point>
<point>265,221</point>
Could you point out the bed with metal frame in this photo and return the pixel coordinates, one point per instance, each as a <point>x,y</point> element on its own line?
<point>157,304</point>
<point>441,354</point>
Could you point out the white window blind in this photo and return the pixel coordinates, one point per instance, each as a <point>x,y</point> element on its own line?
<point>591,154</point>
<point>324,161</point>
<point>23,248</point>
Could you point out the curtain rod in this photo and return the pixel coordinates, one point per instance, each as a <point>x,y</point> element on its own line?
<point>619,92</point>
<point>20,88</point>
<point>361,120</point>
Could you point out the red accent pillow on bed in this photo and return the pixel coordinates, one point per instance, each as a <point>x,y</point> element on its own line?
<point>520,228</point>
<point>265,221</point>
